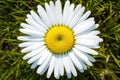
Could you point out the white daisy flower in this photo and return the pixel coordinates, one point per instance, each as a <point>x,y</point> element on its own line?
<point>59,40</point>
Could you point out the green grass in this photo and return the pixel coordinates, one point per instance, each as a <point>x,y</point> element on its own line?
<point>106,13</point>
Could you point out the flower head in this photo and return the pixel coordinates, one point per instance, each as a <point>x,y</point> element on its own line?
<point>59,40</point>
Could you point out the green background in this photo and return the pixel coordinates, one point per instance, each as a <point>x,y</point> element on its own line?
<point>107,65</point>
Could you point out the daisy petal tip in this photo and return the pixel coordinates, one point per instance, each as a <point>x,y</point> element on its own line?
<point>94,60</point>
<point>28,15</point>
<point>58,0</point>
<point>97,25</point>
<point>68,1</point>
<point>48,76</point>
<point>29,62</point>
<point>101,40</point>
<point>91,65</point>
<point>51,2</point>
<point>92,19</point>
<point>89,12</point>
<point>24,58</point>
<point>81,70</point>
<point>20,30</point>
<point>57,77</point>
<point>19,38</point>
<point>37,72</point>
<point>31,11</point>
<point>93,22</point>
<point>38,6</point>
<point>69,77</point>
<point>83,8</point>
<point>95,53</point>
<point>21,24</point>
<point>46,4</point>
<point>22,51</point>
<point>62,74</point>
<point>19,45</point>
<point>98,32</point>
<point>32,67</point>
<point>75,75</point>
<point>26,19</point>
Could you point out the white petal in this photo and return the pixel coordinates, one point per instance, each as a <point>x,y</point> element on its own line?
<point>89,57</point>
<point>93,46</point>
<point>53,8</point>
<point>30,38</point>
<point>89,37</point>
<point>56,70</point>
<point>29,17</point>
<point>90,19</point>
<point>82,63</point>
<point>27,26</point>
<point>51,66</point>
<point>34,52</point>
<point>32,47</point>
<point>50,14</point>
<point>66,65</point>
<point>61,66</point>
<point>26,44</point>
<point>94,33</point>
<point>44,16</point>
<point>37,19</point>
<point>52,5</point>
<point>79,53</point>
<point>90,30</point>
<point>77,17</point>
<point>43,57</point>
<point>73,13</point>
<point>96,26</point>
<point>90,33</point>
<point>35,25</point>
<point>70,14</point>
<point>85,16</point>
<point>31,32</point>
<point>86,49</point>
<point>58,11</point>
<point>34,65</point>
<point>83,26</point>
<point>66,12</point>
<point>36,57</point>
<point>82,56</point>
<point>43,67</point>
<point>86,42</point>
<point>77,64</point>
<point>58,76</point>
<point>72,68</point>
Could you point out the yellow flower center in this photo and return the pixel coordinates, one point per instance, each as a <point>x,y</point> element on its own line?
<point>59,39</point>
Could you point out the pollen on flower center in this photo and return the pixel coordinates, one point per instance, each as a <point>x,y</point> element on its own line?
<point>59,39</point>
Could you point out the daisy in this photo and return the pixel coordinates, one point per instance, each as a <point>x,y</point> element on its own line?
<point>59,41</point>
